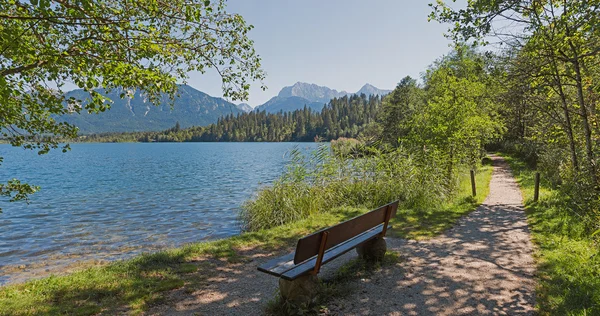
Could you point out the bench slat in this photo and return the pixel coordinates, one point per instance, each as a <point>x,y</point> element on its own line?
<point>278,265</point>
<point>332,253</point>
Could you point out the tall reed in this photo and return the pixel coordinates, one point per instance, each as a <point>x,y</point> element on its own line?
<point>322,181</point>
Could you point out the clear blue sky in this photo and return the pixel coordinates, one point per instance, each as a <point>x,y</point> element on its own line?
<point>342,44</point>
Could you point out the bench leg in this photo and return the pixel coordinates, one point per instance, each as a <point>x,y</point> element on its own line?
<point>372,250</point>
<point>301,290</point>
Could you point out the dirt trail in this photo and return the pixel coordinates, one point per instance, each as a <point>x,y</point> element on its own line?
<point>482,266</point>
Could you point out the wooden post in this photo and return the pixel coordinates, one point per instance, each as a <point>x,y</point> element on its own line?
<point>473,187</point>
<point>536,193</point>
<point>388,214</point>
<point>321,253</point>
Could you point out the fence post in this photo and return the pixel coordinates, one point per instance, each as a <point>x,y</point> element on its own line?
<point>536,193</point>
<point>473,187</point>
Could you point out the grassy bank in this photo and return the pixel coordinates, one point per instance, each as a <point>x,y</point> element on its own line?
<point>568,258</point>
<point>134,285</point>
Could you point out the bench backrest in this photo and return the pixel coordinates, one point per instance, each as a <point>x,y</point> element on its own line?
<point>308,246</point>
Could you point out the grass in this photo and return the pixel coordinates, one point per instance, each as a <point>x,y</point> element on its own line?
<point>132,286</point>
<point>568,260</point>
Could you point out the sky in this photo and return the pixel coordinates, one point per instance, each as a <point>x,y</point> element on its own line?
<point>341,44</point>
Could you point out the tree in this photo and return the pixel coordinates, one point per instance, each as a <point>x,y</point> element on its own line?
<point>451,117</point>
<point>461,113</point>
<point>561,35</point>
<point>121,45</point>
<point>398,108</point>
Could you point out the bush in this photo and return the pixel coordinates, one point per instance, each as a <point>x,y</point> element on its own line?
<point>580,198</point>
<point>345,146</point>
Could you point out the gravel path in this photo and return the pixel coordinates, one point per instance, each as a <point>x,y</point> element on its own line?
<point>482,266</point>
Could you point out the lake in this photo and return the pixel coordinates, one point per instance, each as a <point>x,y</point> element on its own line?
<point>111,201</point>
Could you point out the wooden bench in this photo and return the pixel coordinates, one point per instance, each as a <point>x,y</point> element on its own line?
<point>364,232</point>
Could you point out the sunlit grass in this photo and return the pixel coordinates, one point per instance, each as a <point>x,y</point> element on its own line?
<point>568,260</point>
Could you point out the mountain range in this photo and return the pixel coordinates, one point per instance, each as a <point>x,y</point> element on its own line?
<point>191,108</point>
<point>194,108</point>
<point>313,96</point>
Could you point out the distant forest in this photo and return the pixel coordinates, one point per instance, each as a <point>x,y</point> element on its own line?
<point>348,116</point>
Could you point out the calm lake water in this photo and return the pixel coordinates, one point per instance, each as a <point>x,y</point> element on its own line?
<point>110,201</point>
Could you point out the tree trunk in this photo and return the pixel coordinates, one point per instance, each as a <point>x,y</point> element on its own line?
<point>585,119</point>
<point>568,125</point>
<point>576,61</point>
<point>569,130</point>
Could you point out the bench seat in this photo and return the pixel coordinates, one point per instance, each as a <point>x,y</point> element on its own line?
<point>285,268</point>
